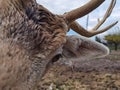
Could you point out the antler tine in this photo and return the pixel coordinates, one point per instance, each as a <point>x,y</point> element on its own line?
<point>112,5</point>
<point>107,14</point>
<point>82,31</point>
<point>104,29</point>
<point>82,11</point>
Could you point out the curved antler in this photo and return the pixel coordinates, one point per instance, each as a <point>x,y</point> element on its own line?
<point>107,14</point>
<point>82,31</point>
<point>82,11</point>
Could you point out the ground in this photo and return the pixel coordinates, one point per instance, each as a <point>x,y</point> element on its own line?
<point>96,74</point>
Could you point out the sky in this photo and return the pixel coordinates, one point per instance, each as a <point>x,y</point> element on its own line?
<point>61,6</point>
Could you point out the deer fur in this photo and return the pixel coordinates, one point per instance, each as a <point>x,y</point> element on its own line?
<point>30,37</point>
<point>29,34</point>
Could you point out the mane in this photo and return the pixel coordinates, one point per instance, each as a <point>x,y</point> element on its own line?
<point>29,26</point>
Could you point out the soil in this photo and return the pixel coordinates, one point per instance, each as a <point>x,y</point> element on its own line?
<point>96,74</point>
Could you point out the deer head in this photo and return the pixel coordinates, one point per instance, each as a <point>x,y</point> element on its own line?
<point>32,38</point>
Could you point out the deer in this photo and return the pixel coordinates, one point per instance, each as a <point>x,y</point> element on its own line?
<point>32,38</point>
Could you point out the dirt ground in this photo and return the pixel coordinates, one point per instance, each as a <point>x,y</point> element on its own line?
<point>97,74</point>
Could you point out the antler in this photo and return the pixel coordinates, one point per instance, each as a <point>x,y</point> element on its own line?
<point>107,14</point>
<point>82,11</point>
<point>79,29</point>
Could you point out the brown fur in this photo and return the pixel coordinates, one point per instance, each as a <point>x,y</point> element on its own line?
<point>29,33</point>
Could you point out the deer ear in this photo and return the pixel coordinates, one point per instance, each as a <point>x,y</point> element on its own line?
<point>79,47</point>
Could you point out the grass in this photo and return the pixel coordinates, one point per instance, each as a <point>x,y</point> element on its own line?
<point>62,78</point>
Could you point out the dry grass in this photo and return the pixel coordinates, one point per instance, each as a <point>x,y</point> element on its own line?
<point>61,77</point>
